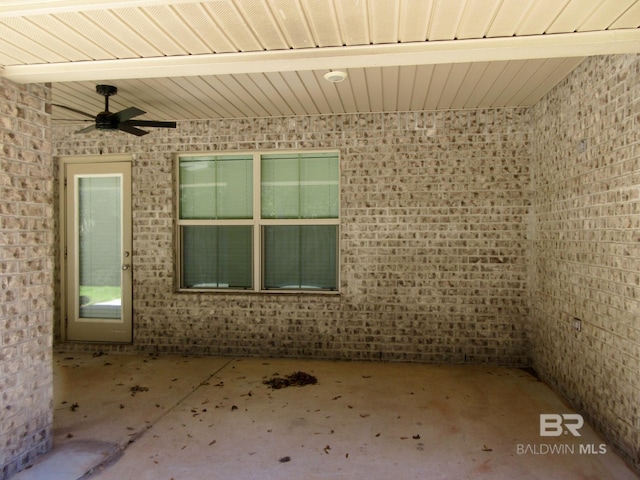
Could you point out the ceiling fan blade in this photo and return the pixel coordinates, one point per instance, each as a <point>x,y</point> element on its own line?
<point>151,123</point>
<point>126,127</point>
<point>75,120</point>
<point>127,113</point>
<point>80,112</point>
<point>88,129</point>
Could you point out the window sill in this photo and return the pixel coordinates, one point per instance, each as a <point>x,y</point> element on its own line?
<point>230,291</point>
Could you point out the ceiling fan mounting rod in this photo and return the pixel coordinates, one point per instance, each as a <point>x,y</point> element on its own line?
<point>107,91</point>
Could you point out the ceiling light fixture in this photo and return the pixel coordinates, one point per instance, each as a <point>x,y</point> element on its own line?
<point>335,76</point>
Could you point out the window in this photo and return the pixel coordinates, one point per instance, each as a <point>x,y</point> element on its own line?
<point>258,221</point>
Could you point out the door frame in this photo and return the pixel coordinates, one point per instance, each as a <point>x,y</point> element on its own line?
<point>63,162</point>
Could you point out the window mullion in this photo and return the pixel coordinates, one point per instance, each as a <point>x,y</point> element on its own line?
<point>218,256</point>
<point>299,189</point>
<point>299,217</point>
<point>216,173</point>
<point>257,224</point>
<point>300,247</point>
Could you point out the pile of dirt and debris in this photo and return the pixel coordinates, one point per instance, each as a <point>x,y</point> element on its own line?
<point>136,389</point>
<point>296,379</point>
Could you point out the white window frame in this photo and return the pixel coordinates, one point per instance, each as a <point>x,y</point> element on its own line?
<point>257,224</point>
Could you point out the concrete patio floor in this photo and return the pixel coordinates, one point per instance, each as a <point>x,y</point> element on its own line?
<point>125,417</point>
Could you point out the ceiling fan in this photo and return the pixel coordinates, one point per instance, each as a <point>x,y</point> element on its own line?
<point>121,120</point>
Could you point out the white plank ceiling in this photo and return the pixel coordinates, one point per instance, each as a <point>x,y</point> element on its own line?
<point>237,58</point>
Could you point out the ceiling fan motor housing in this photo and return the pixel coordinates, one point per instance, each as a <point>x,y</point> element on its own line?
<point>106,121</point>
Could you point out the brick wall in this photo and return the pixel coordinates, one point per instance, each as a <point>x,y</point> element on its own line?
<point>434,240</point>
<point>26,271</point>
<point>586,256</point>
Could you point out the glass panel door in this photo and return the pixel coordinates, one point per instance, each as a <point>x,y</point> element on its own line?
<point>98,252</point>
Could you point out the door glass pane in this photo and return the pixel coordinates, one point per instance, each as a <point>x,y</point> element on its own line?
<point>300,257</point>
<point>216,256</point>
<point>99,227</point>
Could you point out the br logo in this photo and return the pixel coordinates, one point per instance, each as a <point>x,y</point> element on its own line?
<point>554,425</point>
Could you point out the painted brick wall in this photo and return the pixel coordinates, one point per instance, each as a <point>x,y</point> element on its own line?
<point>26,275</point>
<point>586,257</point>
<point>435,208</point>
